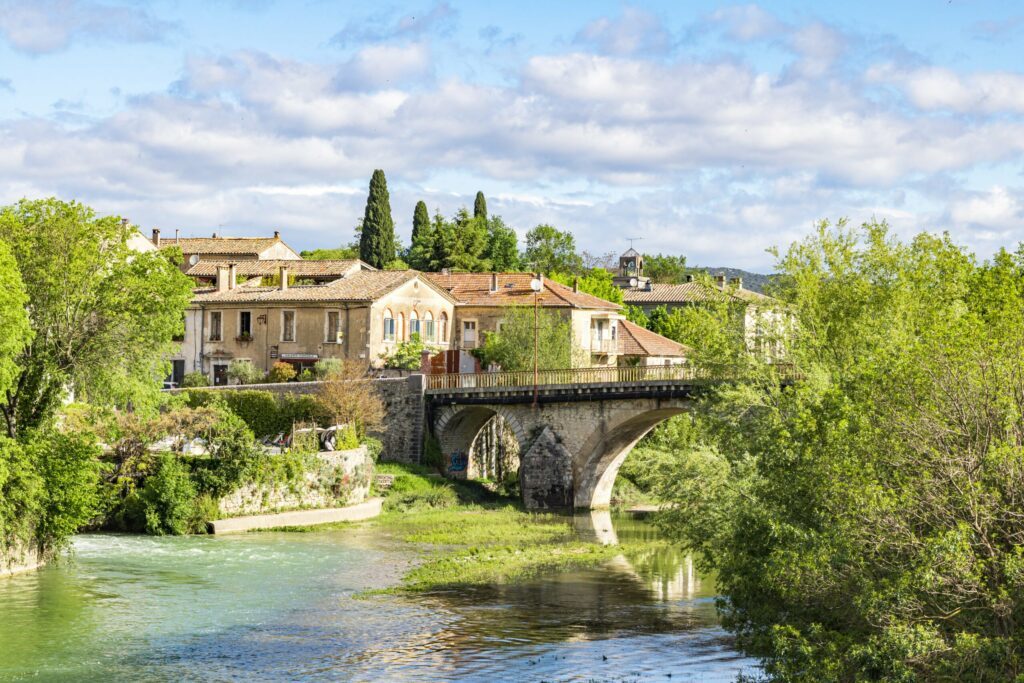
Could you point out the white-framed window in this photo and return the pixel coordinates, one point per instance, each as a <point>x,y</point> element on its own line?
<point>333,335</point>
<point>429,327</point>
<point>216,326</point>
<point>414,324</point>
<point>389,326</point>
<point>469,333</point>
<point>442,327</point>
<point>287,326</point>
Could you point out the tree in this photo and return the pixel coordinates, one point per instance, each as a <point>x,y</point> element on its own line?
<point>377,239</point>
<point>14,320</point>
<point>408,355</point>
<point>502,246</point>
<point>596,281</point>
<point>103,316</point>
<point>513,347</point>
<point>665,268</point>
<point>480,206</point>
<point>864,523</point>
<point>348,395</point>
<point>339,254</point>
<point>244,372</point>
<point>420,220</point>
<point>281,372</point>
<point>550,250</point>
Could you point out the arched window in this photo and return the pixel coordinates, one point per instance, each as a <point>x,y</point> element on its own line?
<point>400,327</point>
<point>389,325</point>
<point>414,324</point>
<point>429,329</point>
<point>442,332</point>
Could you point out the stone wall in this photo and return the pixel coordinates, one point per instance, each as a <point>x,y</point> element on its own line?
<point>339,478</point>
<point>18,557</point>
<point>402,431</point>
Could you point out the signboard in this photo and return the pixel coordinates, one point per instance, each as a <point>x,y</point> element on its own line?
<point>299,356</point>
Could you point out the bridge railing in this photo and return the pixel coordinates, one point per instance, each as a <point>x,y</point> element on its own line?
<point>525,378</point>
<point>597,375</point>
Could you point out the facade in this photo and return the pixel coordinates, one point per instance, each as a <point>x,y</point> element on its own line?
<point>484,298</point>
<point>363,316</point>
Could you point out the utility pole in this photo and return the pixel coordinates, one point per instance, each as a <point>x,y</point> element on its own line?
<point>536,284</point>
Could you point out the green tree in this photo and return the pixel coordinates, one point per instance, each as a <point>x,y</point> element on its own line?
<point>665,268</point>
<point>339,254</point>
<point>103,315</point>
<point>502,246</point>
<point>408,355</point>
<point>550,250</point>
<point>420,220</point>
<point>513,348</point>
<point>377,245</point>
<point>596,281</point>
<point>863,523</point>
<point>480,206</point>
<point>14,319</point>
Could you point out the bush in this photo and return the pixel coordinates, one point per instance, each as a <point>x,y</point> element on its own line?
<point>306,376</point>
<point>326,367</point>
<point>244,372</point>
<point>281,372</point>
<point>169,499</point>
<point>195,379</point>
<point>374,447</point>
<point>21,492</point>
<point>407,355</point>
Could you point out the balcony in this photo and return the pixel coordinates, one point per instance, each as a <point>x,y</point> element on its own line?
<point>602,344</point>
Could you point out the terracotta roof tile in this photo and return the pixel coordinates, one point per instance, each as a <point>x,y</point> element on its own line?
<point>220,245</point>
<point>364,285</point>
<point>474,289</point>
<point>690,292</point>
<point>639,341</point>
<point>335,268</point>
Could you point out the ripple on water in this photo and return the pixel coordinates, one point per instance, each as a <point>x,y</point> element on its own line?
<point>280,607</point>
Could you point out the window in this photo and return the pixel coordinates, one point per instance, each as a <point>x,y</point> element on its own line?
<point>215,326</point>
<point>389,326</point>
<point>498,325</point>
<point>469,333</point>
<point>245,324</point>
<point>333,327</point>
<point>442,332</point>
<point>429,327</point>
<point>288,326</point>
<point>414,324</point>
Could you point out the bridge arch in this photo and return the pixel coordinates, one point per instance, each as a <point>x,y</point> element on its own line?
<point>456,428</point>
<point>597,462</point>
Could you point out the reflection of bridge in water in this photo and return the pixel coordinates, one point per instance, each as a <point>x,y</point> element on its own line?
<point>574,427</point>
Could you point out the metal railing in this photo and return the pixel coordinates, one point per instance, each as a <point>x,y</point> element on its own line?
<point>637,374</point>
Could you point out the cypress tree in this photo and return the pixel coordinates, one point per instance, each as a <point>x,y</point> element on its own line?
<point>420,220</point>
<point>480,206</point>
<point>377,242</point>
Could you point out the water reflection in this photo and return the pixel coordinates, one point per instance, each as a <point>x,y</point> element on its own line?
<point>283,607</point>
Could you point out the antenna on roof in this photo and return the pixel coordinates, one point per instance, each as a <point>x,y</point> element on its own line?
<point>633,239</point>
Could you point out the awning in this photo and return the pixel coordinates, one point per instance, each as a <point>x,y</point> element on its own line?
<point>299,356</point>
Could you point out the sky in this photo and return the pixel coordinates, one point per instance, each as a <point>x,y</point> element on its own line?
<point>707,129</point>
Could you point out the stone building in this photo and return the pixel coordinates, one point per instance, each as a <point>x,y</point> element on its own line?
<point>227,249</point>
<point>483,300</point>
<point>362,316</point>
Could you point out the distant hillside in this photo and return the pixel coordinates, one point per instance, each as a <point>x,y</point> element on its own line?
<point>755,282</point>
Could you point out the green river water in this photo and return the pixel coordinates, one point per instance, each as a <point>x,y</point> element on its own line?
<point>282,606</point>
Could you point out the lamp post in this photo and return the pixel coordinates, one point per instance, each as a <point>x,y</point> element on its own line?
<point>536,284</point>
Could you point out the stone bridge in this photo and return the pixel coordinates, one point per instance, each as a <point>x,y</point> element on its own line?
<point>574,429</point>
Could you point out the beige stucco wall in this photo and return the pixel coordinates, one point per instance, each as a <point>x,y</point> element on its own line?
<point>279,250</point>
<point>415,295</point>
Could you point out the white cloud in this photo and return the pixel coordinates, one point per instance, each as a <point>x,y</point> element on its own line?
<point>936,88</point>
<point>748,22</point>
<point>636,31</point>
<point>43,26</point>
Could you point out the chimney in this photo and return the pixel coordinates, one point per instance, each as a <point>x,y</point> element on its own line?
<point>494,282</point>
<point>284,278</point>
<point>156,237</point>
<point>277,234</point>
<point>576,285</point>
<point>232,276</point>
<point>736,282</point>
<point>222,278</point>
<point>720,281</point>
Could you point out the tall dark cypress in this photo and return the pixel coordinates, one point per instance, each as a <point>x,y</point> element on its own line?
<point>377,242</point>
<point>420,220</point>
<point>480,206</point>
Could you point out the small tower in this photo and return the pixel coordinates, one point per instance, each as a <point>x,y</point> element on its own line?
<point>631,270</point>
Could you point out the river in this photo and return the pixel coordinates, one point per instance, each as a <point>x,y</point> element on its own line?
<point>284,606</point>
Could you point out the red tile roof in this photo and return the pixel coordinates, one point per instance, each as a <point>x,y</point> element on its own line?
<point>474,289</point>
<point>335,268</point>
<point>242,246</point>
<point>690,292</point>
<point>639,341</point>
<point>364,285</point>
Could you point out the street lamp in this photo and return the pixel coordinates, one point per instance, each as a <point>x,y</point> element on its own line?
<point>536,284</point>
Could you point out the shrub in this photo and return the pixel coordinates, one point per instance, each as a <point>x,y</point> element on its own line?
<point>244,372</point>
<point>306,376</point>
<point>349,397</point>
<point>281,372</point>
<point>169,498</point>
<point>432,455</point>
<point>373,447</point>
<point>326,367</point>
<point>68,466</point>
<point>195,379</point>
<point>407,355</point>
<point>20,494</point>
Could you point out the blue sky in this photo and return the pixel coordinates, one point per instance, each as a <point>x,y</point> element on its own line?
<point>709,129</point>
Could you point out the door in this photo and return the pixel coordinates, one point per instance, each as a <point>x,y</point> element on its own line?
<point>469,334</point>
<point>220,375</point>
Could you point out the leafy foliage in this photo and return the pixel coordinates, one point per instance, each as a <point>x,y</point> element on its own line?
<point>863,523</point>
<point>480,206</point>
<point>281,372</point>
<point>350,398</point>
<point>195,379</point>
<point>244,372</point>
<point>665,268</point>
<point>168,500</point>
<point>596,281</point>
<point>513,348</point>
<point>550,250</point>
<point>502,246</point>
<point>408,355</point>
<point>338,254</point>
